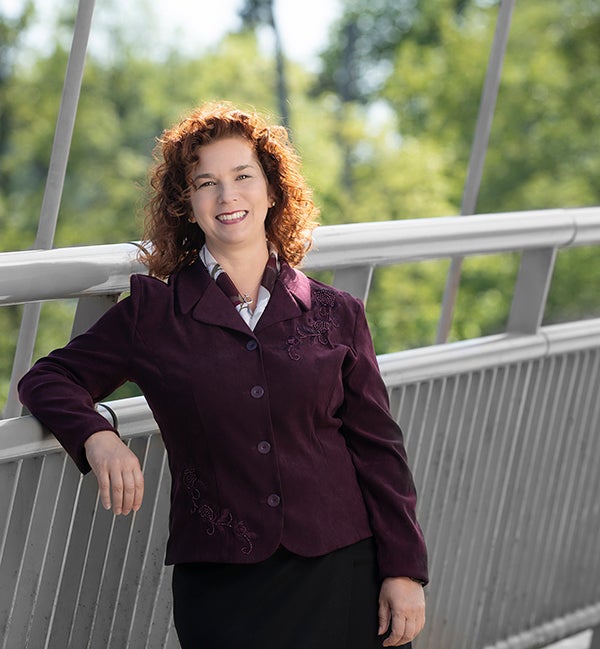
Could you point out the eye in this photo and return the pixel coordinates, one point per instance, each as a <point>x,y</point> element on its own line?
<point>243,177</point>
<point>205,183</point>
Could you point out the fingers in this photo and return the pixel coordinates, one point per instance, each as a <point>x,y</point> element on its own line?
<point>384,617</point>
<point>117,469</point>
<point>402,603</point>
<point>138,479</point>
<point>104,488</point>
<point>398,634</point>
<point>127,484</point>
<point>403,631</point>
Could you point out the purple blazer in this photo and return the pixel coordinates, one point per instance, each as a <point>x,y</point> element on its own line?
<point>281,436</point>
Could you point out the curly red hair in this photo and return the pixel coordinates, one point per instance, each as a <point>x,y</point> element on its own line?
<point>175,242</point>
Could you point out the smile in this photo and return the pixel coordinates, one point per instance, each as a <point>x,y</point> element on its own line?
<point>232,217</point>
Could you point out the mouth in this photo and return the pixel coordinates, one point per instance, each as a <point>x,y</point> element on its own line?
<point>232,217</point>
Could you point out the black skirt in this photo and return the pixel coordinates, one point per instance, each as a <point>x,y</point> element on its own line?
<point>285,602</point>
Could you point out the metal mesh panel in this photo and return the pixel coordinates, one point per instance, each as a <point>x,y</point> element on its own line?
<point>506,464</point>
<point>505,460</point>
<point>74,575</point>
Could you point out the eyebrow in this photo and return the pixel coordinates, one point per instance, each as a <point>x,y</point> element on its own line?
<point>210,175</point>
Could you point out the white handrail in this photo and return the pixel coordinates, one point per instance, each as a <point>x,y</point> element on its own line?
<point>62,273</point>
<point>435,361</point>
<point>391,242</point>
<point>92,270</point>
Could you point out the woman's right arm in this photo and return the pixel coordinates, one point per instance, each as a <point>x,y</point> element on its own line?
<point>61,390</point>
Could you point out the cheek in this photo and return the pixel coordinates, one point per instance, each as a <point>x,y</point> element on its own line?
<point>198,206</point>
<point>261,196</point>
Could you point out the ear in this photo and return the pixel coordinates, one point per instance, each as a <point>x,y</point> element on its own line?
<point>271,195</point>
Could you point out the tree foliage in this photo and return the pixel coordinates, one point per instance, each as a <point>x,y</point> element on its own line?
<point>364,41</point>
<point>385,130</point>
<point>255,13</point>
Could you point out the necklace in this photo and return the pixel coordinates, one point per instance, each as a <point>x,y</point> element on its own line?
<point>245,300</point>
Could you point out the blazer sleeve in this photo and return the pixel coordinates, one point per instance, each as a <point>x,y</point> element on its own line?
<point>61,389</point>
<point>376,446</point>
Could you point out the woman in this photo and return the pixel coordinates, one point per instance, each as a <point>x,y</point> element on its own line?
<point>292,519</point>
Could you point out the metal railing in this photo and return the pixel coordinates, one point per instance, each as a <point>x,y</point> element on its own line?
<point>352,250</point>
<point>502,433</point>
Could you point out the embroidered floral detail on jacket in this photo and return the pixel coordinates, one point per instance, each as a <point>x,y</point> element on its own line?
<point>224,520</point>
<point>316,329</point>
<point>195,487</point>
<point>221,520</point>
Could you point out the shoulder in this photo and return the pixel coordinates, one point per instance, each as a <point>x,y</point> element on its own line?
<point>147,292</point>
<point>341,313</point>
<point>178,294</point>
<point>325,295</point>
<point>314,293</point>
<point>140,284</point>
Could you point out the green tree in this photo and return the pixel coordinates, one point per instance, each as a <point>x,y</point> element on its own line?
<point>253,14</point>
<point>388,139</point>
<point>359,57</point>
<point>542,151</point>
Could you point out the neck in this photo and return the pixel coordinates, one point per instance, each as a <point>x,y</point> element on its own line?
<point>239,260</point>
<point>244,266</point>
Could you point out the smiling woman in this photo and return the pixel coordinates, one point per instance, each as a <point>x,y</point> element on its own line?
<point>292,519</point>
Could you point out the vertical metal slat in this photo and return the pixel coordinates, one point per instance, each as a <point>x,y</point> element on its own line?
<point>53,191</point>
<point>478,151</point>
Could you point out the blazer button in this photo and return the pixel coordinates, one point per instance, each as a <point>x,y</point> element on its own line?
<point>251,345</point>
<point>264,448</point>
<point>273,500</point>
<point>257,391</point>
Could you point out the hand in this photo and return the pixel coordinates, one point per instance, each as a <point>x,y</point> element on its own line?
<point>114,464</point>
<point>401,601</point>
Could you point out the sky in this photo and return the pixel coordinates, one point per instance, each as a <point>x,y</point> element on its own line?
<point>196,24</point>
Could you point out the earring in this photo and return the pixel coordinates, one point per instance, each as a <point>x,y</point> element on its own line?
<point>273,204</point>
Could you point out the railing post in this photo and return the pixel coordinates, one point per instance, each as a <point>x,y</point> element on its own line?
<point>595,643</point>
<point>90,309</point>
<point>53,191</point>
<point>531,291</point>
<point>355,280</point>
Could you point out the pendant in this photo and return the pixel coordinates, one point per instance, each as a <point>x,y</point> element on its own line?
<point>246,301</point>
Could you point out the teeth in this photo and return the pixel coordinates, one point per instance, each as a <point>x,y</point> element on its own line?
<point>231,217</point>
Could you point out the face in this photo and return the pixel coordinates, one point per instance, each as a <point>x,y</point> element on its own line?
<point>230,195</point>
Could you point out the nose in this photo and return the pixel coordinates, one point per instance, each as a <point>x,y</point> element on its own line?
<point>227,192</point>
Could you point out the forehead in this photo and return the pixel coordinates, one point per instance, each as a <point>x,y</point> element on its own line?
<point>227,152</point>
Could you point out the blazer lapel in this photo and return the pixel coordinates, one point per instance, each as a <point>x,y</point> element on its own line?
<point>200,296</point>
<point>290,298</point>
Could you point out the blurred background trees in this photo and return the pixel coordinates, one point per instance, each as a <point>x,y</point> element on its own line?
<point>384,126</point>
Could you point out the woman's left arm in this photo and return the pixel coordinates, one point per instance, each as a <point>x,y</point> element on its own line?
<point>376,446</point>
